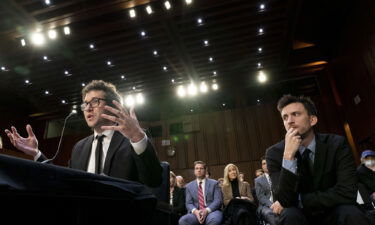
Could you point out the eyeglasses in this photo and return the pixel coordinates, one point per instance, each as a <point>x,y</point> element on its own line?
<point>93,103</point>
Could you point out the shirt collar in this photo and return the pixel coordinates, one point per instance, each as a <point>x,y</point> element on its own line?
<point>203,180</point>
<point>311,146</point>
<point>107,133</point>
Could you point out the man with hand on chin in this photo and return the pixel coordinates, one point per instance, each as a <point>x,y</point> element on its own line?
<point>118,147</point>
<point>312,174</point>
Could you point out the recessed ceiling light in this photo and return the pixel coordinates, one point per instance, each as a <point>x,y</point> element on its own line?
<point>46,92</point>
<point>37,39</point>
<point>66,30</point>
<point>215,86</point>
<point>3,68</point>
<point>203,88</point>
<point>132,13</point>
<point>109,63</point>
<point>260,30</point>
<point>143,33</point>
<point>45,58</point>
<point>167,5</point>
<point>214,72</point>
<point>223,104</point>
<point>27,82</point>
<point>52,34</point>
<point>155,52</point>
<point>23,42</point>
<point>172,80</point>
<point>191,110</point>
<point>134,88</point>
<point>262,77</point>
<point>123,77</point>
<point>181,91</point>
<point>200,21</point>
<point>211,59</point>
<point>260,49</point>
<point>205,42</point>
<point>149,9</point>
<point>47,2</point>
<point>259,64</point>
<point>188,2</point>
<point>165,68</point>
<point>92,46</point>
<point>83,84</point>
<point>262,6</point>
<point>63,101</point>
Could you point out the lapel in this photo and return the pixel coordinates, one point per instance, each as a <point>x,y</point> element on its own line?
<point>319,160</point>
<point>206,186</point>
<point>116,141</point>
<point>86,151</point>
<point>240,186</point>
<point>265,184</point>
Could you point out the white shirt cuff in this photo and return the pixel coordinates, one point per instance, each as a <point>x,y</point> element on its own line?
<point>290,165</point>
<point>192,211</point>
<point>208,210</point>
<point>140,146</point>
<point>37,155</point>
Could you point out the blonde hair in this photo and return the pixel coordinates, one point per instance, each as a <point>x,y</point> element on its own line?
<point>226,173</point>
<point>171,174</point>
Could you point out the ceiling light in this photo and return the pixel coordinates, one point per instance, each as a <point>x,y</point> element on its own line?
<point>214,72</point>
<point>172,80</point>
<point>192,89</point>
<point>260,31</point>
<point>203,88</point>
<point>211,59</point>
<point>155,52</point>
<point>259,64</point>
<point>46,92</point>
<point>27,82</point>
<point>83,84</point>
<point>260,49</point>
<point>223,104</point>
<point>215,86</point>
<point>165,68</point>
<point>47,2</point>
<point>149,9</point>
<point>139,98</point>
<point>143,33</point>
<point>74,106</point>
<point>205,42</point>
<point>92,46</point>
<point>191,110</point>
<point>132,13</point>
<point>23,42</point>
<point>3,68</point>
<point>63,101</point>
<point>134,88</point>
<point>37,39</point>
<point>199,21</point>
<point>66,30</point>
<point>123,77</point>
<point>52,34</point>
<point>109,63</point>
<point>262,6</point>
<point>45,58</point>
<point>181,91</point>
<point>262,77</point>
<point>258,100</point>
<point>129,100</point>
<point>188,2</point>
<point>167,5</point>
<point>67,73</point>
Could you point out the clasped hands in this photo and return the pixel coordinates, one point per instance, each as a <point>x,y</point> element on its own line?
<point>201,215</point>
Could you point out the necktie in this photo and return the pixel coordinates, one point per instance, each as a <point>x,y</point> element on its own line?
<point>270,186</point>
<point>200,196</point>
<point>304,169</point>
<point>98,154</point>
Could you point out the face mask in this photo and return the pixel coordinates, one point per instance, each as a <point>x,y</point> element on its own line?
<point>370,162</point>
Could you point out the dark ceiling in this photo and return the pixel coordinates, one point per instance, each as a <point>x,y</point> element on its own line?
<point>292,30</point>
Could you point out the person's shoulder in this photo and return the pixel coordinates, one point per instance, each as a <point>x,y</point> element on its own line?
<point>330,139</point>
<point>190,184</point>
<point>258,179</point>
<point>84,140</point>
<point>276,148</point>
<point>209,180</point>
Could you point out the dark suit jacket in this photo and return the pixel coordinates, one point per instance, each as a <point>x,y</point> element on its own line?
<point>179,201</point>
<point>334,179</point>
<point>212,192</point>
<point>121,160</point>
<point>263,191</point>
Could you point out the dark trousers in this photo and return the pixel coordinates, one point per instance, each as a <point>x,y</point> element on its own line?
<point>339,215</point>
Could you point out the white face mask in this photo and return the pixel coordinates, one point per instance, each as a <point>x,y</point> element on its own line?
<point>370,162</point>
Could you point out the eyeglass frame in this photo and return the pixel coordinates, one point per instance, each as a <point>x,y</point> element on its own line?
<point>85,104</point>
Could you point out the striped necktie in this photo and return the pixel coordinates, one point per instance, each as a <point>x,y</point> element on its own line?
<point>200,196</point>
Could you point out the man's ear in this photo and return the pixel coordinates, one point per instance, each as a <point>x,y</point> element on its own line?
<point>313,120</point>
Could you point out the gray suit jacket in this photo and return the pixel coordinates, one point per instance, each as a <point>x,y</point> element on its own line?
<point>263,192</point>
<point>212,192</point>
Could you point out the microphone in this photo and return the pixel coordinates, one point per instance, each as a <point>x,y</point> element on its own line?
<point>61,137</point>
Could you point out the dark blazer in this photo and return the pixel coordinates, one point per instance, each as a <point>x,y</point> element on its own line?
<point>179,201</point>
<point>121,160</point>
<point>263,191</point>
<point>212,192</point>
<point>334,178</point>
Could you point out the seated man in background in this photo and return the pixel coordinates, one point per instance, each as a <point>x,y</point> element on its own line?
<point>118,146</point>
<point>264,195</point>
<point>203,199</point>
<point>313,175</point>
<point>366,174</point>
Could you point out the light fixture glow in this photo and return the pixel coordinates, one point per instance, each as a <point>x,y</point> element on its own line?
<point>23,42</point>
<point>52,34</point>
<point>211,59</point>
<point>155,52</point>
<point>165,68</point>
<point>205,42</point>
<point>37,39</point>
<point>143,33</point>
<point>188,2</point>
<point>172,80</point>
<point>203,88</point>
<point>260,30</point>
<point>27,81</point>
<point>46,92</point>
<point>92,46</point>
<point>132,13</point>
<point>149,9</point>
<point>259,64</point>
<point>3,68</point>
<point>262,6</point>
<point>66,30</point>
<point>192,89</point>
<point>63,101</point>
<point>199,21</point>
<point>215,86</point>
<point>260,49</point>
<point>214,72</point>
<point>83,84</point>
<point>122,77</point>
<point>47,2</point>
<point>167,5</point>
<point>262,77</point>
<point>139,98</point>
<point>134,87</point>
<point>45,58</point>
<point>129,100</point>
<point>181,91</point>
<point>109,63</point>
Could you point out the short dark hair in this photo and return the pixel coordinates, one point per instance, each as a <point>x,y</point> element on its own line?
<point>109,90</point>
<point>200,162</point>
<point>262,158</point>
<point>305,101</point>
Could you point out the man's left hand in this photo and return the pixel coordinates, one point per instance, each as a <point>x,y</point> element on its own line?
<point>127,122</point>
<point>277,207</point>
<point>203,216</point>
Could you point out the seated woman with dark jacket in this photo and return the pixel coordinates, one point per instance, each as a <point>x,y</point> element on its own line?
<point>177,199</point>
<point>238,200</point>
